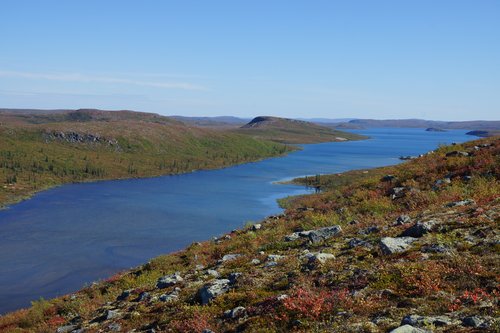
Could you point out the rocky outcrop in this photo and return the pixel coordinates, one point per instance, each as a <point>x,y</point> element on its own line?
<point>75,137</point>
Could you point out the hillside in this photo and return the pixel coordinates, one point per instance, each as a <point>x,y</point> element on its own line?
<point>407,248</point>
<point>212,122</point>
<point>293,131</point>
<point>39,150</point>
<point>419,123</point>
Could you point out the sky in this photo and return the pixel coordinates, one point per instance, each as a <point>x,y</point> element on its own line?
<point>332,59</point>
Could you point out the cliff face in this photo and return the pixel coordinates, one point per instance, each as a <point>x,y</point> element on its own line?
<point>408,248</point>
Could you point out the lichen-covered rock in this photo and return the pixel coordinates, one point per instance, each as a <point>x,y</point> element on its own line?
<point>419,229</point>
<point>390,245</point>
<point>235,313</point>
<point>424,321</point>
<point>465,202</point>
<point>408,329</point>
<point>403,219</point>
<point>213,289</point>
<point>322,234</point>
<point>169,280</point>
<point>230,257</point>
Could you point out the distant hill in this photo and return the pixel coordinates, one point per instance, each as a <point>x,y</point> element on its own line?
<point>220,121</point>
<point>293,131</point>
<point>420,123</point>
<point>43,149</point>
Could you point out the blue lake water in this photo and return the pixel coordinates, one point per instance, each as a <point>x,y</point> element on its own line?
<point>68,236</point>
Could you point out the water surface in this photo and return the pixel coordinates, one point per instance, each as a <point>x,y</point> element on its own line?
<point>68,236</point>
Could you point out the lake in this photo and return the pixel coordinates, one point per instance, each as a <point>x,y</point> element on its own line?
<point>69,236</point>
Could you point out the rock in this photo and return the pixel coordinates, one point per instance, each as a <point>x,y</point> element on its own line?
<point>355,242</point>
<point>408,329</point>
<point>229,257</point>
<point>388,178</point>
<point>124,295</point>
<point>423,321</point>
<point>419,229</point>
<point>319,258</point>
<point>212,272</point>
<point>256,227</point>
<point>292,237</point>
<point>434,248</point>
<point>213,289</point>
<point>144,296</point>
<point>270,264</point>
<point>390,245</point>
<point>465,202</point>
<point>206,330</point>
<point>255,261</point>
<point>169,280</point>
<point>233,277</point>
<point>114,327</point>
<point>403,219</point>
<point>456,153</point>
<point>282,297</point>
<point>472,321</point>
<point>199,267</point>
<point>322,234</point>
<point>369,230</point>
<point>274,257</point>
<point>235,313</point>
<point>173,296</point>
<point>112,314</point>
<point>443,181</point>
<point>397,192</point>
<point>66,328</point>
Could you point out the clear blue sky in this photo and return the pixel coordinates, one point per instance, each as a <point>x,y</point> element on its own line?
<point>433,59</point>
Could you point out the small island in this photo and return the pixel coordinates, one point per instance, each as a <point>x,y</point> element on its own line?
<point>435,129</point>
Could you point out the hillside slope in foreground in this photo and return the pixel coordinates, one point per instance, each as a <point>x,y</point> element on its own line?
<point>409,248</point>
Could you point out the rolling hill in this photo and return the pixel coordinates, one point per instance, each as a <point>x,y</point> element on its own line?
<point>293,131</point>
<point>44,148</point>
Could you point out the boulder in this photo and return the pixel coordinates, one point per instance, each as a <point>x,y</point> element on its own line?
<point>256,227</point>
<point>236,313</point>
<point>369,230</point>
<point>318,258</point>
<point>274,257</point>
<point>419,229</point>
<point>66,329</point>
<point>423,321</point>
<point>213,289</point>
<point>456,153</point>
<point>212,272</point>
<point>390,245</point>
<point>408,329</point>
<point>318,235</point>
<point>173,296</point>
<point>355,242</point>
<point>388,178</point>
<point>233,277</point>
<point>255,261</point>
<point>465,202</point>
<point>472,321</point>
<point>169,280</point>
<point>403,219</point>
<point>229,257</point>
<point>112,314</point>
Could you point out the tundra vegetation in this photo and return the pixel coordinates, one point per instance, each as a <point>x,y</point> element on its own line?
<point>40,150</point>
<point>407,248</point>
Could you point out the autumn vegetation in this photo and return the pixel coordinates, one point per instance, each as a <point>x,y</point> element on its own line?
<point>452,270</point>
